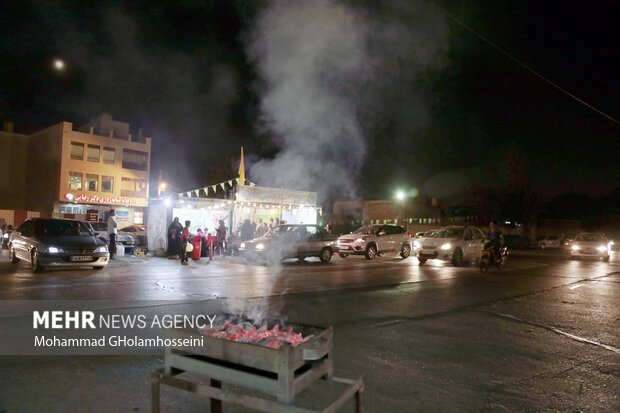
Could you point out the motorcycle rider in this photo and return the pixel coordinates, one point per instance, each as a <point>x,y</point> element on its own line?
<point>496,239</point>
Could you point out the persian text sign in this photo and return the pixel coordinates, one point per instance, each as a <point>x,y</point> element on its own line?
<point>100,199</point>
<point>275,195</point>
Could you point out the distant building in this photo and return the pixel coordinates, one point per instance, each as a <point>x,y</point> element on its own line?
<point>63,172</point>
<point>421,207</point>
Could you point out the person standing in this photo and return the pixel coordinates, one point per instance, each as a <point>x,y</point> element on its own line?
<point>112,233</point>
<point>174,238</point>
<point>185,239</point>
<point>260,228</point>
<point>220,236</point>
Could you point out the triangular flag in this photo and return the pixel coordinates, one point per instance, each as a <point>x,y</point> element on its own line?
<point>196,192</point>
<point>189,194</point>
<point>252,184</point>
<point>181,194</point>
<point>230,182</point>
<point>223,185</point>
<point>241,180</point>
<point>237,179</point>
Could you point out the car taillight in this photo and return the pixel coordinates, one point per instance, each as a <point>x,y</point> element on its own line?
<point>409,233</point>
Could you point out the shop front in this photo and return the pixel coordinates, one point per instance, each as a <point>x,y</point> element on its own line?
<point>129,211</point>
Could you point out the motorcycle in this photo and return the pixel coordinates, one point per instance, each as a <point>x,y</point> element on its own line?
<point>489,258</point>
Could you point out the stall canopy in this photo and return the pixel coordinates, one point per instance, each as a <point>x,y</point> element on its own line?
<point>251,202</point>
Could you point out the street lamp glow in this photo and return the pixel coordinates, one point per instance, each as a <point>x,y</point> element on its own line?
<point>400,195</point>
<point>59,64</point>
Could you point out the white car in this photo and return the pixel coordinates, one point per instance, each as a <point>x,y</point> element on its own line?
<point>547,241</point>
<point>371,240</point>
<point>101,231</point>
<point>590,244</point>
<point>135,231</point>
<point>455,244</point>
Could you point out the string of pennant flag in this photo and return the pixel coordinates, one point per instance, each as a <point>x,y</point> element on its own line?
<point>213,188</point>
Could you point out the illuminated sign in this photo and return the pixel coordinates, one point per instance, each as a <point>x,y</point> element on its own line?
<point>100,199</point>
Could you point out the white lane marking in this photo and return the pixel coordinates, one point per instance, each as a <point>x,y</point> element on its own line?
<point>576,286</point>
<point>557,331</point>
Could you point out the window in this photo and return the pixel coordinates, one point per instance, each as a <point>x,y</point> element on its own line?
<point>138,218</point>
<point>109,156</point>
<point>135,160</point>
<point>93,153</point>
<point>77,151</point>
<point>91,182</point>
<point>133,187</point>
<point>107,184</point>
<point>75,181</point>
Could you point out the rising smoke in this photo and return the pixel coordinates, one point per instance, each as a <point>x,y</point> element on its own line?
<point>334,75</point>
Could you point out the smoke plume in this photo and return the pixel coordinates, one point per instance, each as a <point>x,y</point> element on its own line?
<point>336,75</point>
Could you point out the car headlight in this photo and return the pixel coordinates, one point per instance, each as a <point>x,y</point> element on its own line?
<point>242,245</point>
<point>260,246</point>
<point>446,246</point>
<point>575,248</point>
<point>54,250</point>
<point>102,248</point>
<point>417,245</point>
<point>360,239</point>
<point>6,235</point>
<point>602,248</point>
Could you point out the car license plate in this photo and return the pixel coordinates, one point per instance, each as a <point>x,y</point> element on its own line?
<point>344,247</point>
<point>81,258</point>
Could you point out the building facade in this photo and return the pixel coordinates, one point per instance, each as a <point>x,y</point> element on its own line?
<point>81,174</point>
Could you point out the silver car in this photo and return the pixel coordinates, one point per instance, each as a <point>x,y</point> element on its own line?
<point>101,231</point>
<point>547,241</point>
<point>291,241</point>
<point>455,244</point>
<point>371,240</point>
<point>57,243</point>
<point>590,244</point>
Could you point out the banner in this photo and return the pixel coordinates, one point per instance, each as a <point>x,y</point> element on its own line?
<point>275,195</point>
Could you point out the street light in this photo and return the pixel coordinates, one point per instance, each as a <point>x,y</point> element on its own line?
<point>59,64</point>
<point>162,188</point>
<point>400,195</point>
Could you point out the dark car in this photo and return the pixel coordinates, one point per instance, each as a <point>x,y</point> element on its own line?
<point>291,241</point>
<point>515,242</point>
<point>57,243</point>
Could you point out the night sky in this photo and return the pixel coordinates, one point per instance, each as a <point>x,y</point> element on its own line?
<point>350,98</point>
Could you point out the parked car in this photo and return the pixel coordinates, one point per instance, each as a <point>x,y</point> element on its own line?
<point>454,243</point>
<point>138,232</point>
<point>590,244</point>
<point>371,240</point>
<point>57,243</point>
<point>547,241</point>
<point>291,241</point>
<point>101,231</point>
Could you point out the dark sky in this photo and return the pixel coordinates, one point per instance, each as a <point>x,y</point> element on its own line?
<point>344,97</point>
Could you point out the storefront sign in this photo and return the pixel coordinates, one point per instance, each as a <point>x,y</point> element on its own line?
<point>100,199</point>
<point>275,195</point>
<point>92,215</point>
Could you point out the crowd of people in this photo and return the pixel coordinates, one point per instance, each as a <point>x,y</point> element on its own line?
<point>180,236</point>
<point>251,229</point>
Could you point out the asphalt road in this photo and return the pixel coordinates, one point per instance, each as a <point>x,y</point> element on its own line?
<point>541,335</point>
